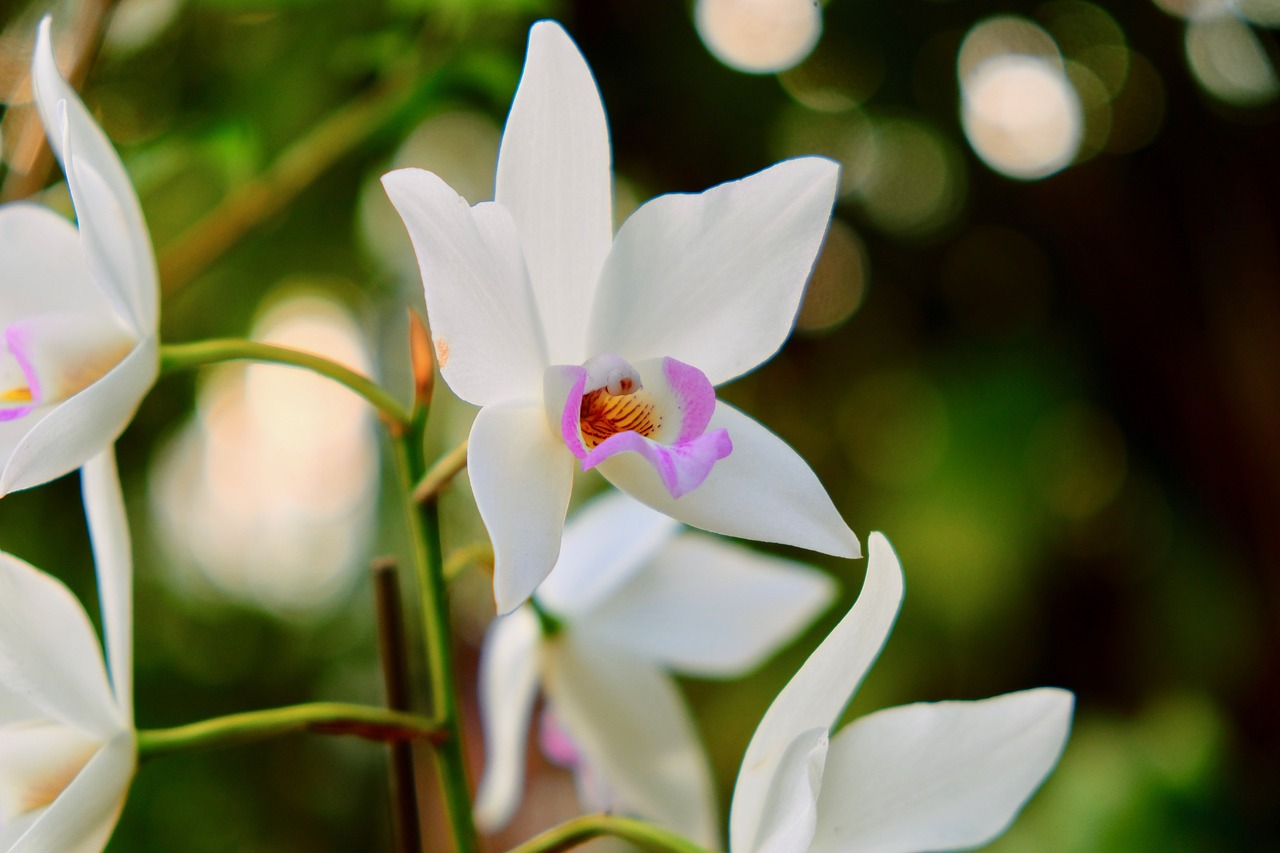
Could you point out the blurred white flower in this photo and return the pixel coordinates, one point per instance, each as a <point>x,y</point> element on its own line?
<point>270,491</point>
<point>579,345</point>
<point>67,745</point>
<point>632,597</point>
<point>928,776</point>
<point>80,306</point>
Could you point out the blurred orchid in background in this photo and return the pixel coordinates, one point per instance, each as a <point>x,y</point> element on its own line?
<point>79,307</point>
<point>631,598</point>
<point>67,744</point>
<point>927,776</point>
<point>577,344</point>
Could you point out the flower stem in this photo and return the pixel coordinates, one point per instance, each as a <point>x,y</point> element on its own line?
<point>323,717</point>
<point>441,472</point>
<point>580,830</point>
<point>423,524</point>
<point>186,356</point>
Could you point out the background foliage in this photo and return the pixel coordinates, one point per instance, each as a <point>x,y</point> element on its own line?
<point>1059,398</point>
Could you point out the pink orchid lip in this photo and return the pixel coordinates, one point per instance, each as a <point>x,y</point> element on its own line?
<point>597,422</point>
<point>16,342</point>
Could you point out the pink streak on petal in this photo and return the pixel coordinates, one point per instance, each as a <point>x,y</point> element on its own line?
<point>16,339</point>
<point>555,742</point>
<point>682,466</point>
<point>571,416</point>
<point>695,395</point>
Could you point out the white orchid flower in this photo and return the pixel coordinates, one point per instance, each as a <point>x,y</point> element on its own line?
<point>67,744</point>
<point>79,311</point>
<point>928,776</point>
<point>631,598</point>
<point>579,345</point>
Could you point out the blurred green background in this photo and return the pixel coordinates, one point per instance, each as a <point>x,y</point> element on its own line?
<point>1041,353</point>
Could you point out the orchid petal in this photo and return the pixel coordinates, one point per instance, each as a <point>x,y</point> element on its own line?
<point>113,557</point>
<point>818,693</point>
<point>944,776</point>
<point>82,818</point>
<point>71,433</point>
<point>44,268</point>
<point>38,758</point>
<point>763,491</point>
<point>715,279</point>
<point>50,659</point>
<point>483,320</point>
<point>116,240</point>
<point>521,477</point>
<point>710,608</point>
<point>554,176</point>
<point>608,540</point>
<point>59,354</point>
<point>632,727</point>
<point>508,685</point>
<point>790,814</point>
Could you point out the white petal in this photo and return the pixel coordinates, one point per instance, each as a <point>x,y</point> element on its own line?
<point>71,433</point>
<point>790,813</point>
<point>38,759</point>
<point>508,685</point>
<point>605,543</point>
<point>818,693</point>
<point>554,176</point>
<point>50,659</point>
<point>706,607</point>
<point>59,354</point>
<point>82,819</point>
<point>521,476</point>
<point>44,268</point>
<point>715,279</point>
<point>944,776</point>
<point>632,727</point>
<point>110,218</point>
<point>484,323</point>
<point>762,490</point>
<point>113,558</point>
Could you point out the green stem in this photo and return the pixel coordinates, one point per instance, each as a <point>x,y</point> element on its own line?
<point>464,558</point>
<point>580,830</point>
<point>441,472</point>
<point>323,717</point>
<point>186,356</point>
<point>424,535</point>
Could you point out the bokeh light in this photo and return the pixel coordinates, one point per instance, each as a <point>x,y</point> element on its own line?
<point>758,36</point>
<point>1021,115</point>
<point>1076,460</point>
<point>269,491</point>
<point>908,178</point>
<point>1229,61</point>
<point>839,281</point>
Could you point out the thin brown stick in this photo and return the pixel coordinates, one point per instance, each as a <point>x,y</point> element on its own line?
<point>406,830</point>
<point>33,159</point>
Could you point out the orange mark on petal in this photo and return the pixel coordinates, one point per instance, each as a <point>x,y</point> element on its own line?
<point>16,395</point>
<point>442,352</point>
